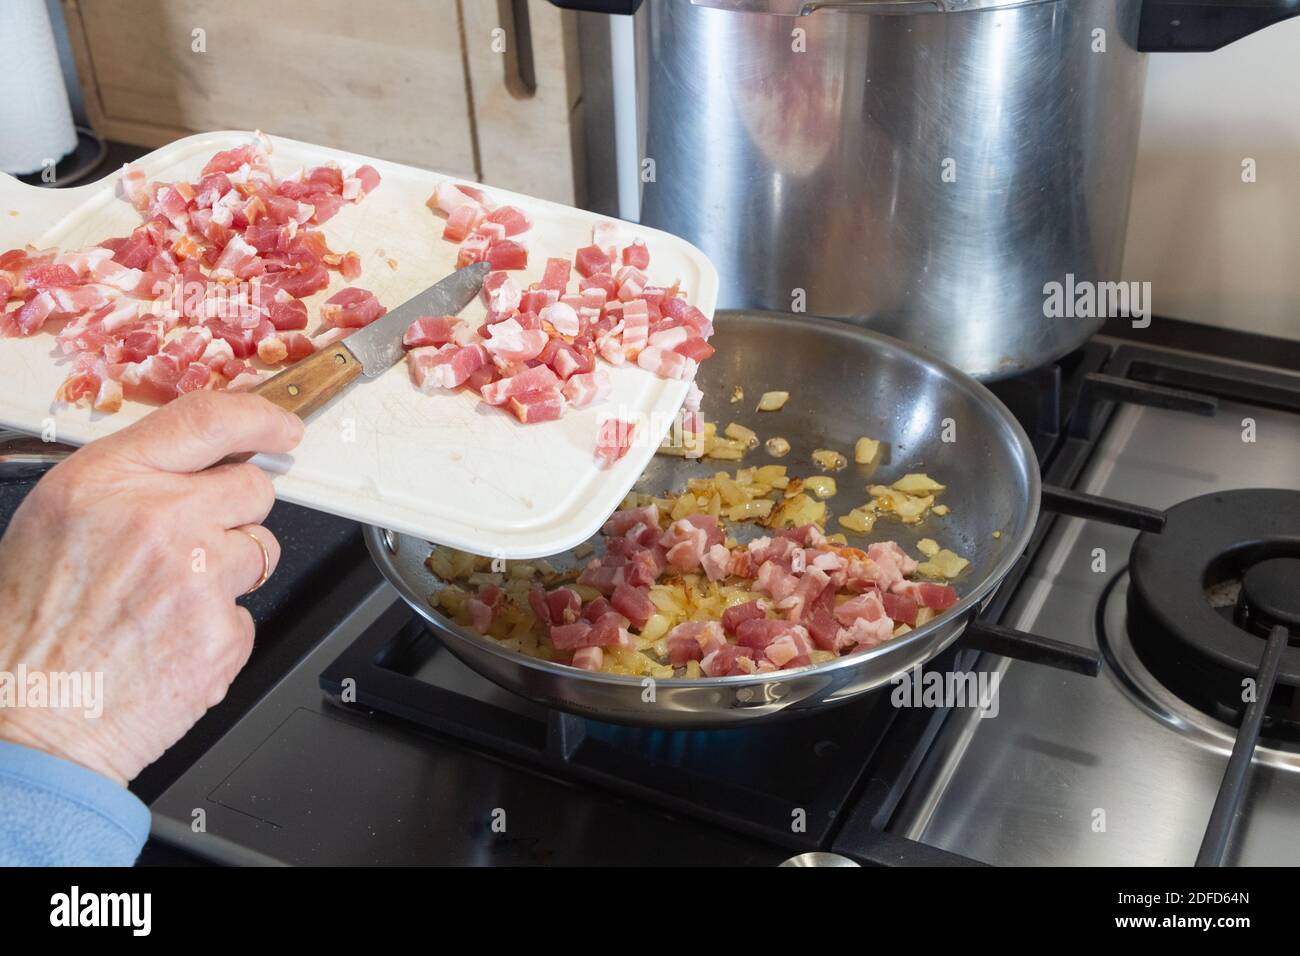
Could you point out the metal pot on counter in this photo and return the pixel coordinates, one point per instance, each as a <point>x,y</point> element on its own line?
<point>925,168</point>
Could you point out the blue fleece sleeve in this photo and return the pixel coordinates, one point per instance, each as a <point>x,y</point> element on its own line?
<point>56,813</point>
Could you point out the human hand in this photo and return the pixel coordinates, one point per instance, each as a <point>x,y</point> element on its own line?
<point>125,560</point>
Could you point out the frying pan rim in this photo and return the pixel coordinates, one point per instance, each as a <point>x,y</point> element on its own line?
<point>379,552</point>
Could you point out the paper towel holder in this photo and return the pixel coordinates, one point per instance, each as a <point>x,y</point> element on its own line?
<point>73,168</point>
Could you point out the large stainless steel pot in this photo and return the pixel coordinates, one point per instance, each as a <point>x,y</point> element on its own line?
<point>923,175</point>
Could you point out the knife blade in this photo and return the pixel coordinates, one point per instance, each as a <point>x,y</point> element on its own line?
<point>378,347</point>
<point>305,386</point>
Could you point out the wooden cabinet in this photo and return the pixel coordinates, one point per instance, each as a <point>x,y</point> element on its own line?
<point>484,89</point>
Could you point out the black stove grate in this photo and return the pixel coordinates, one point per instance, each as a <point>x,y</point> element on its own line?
<point>784,782</point>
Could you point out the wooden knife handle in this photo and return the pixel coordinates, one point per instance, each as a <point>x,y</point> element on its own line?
<point>305,386</point>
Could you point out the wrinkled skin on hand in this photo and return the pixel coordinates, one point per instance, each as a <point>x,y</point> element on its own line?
<point>126,559</point>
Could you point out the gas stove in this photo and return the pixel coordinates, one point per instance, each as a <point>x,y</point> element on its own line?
<point>1135,768</point>
<point>380,747</point>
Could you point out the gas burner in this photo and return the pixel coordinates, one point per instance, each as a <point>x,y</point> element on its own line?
<point>1204,591</point>
<point>1270,595</point>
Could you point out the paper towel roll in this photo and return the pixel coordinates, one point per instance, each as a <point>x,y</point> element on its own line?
<point>35,118</point>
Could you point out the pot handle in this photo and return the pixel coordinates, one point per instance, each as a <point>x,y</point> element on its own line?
<point>1170,26</point>
<point>622,7</point>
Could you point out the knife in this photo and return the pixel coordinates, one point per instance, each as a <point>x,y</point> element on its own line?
<point>305,386</point>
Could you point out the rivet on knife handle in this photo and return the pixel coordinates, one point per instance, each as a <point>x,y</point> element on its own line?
<point>305,386</point>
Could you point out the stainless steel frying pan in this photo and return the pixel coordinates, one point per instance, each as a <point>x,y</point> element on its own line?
<point>845,383</point>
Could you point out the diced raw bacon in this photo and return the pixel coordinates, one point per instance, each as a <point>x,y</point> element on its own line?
<point>603,577</point>
<point>507,254</point>
<point>350,266</point>
<point>613,440</point>
<point>864,633</point>
<point>737,614</point>
<point>472,250</point>
<point>591,261</point>
<point>50,277</point>
<point>351,308</point>
<point>900,608</point>
<point>304,277</point>
<point>938,597</point>
<point>670,338</point>
<point>564,360</point>
<point>434,330</point>
<point>211,188</point>
<point>240,340</point>
<point>759,632</point>
<point>685,545</point>
<point>571,636</point>
<point>135,346</point>
<point>535,379</point>
<point>480,615</point>
<point>299,346</point>
<point>154,379</point>
<point>195,377</point>
<point>725,661</point>
<point>683,649</point>
<point>636,329</point>
<point>695,349</point>
<point>494,231</point>
<point>562,317</point>
<point>535,300</point>
<point>447,197</point>
<point>633,603</point>
<point>509,342</point>
<point>790,649</point>
<point>502,295</point>
<point>369,178</point>
<point>541,610</point>
<point>513,219</point>
<point>542,405</point>
<point>621,522</point>
<point>563,605</point>
<point>867,606</point>
<point>447,367</point>
<point>237,259</point>
<point>272,350</point>
<point>485,375</point>
<point>133,186</point>
<point>716,562</point>
<point>556,275</point>
<point>90,382</point>
<point>636,255</point>
<point>526,320</point>
<point>602,281</point>
<point>188,346</point>
<point>664,363</point>
<point>589,658</point>
<point>288,315</point>
<point>230,160</point>
<point>608,630</point>
<point>324,206</point>
<point>888,564</point>
<point>462,221</point>
<point>328,178</point>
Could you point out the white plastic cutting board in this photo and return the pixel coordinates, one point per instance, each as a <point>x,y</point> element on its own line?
<point>441,467</point>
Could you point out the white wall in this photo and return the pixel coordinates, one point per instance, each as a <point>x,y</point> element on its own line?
<point>1217,250</point>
